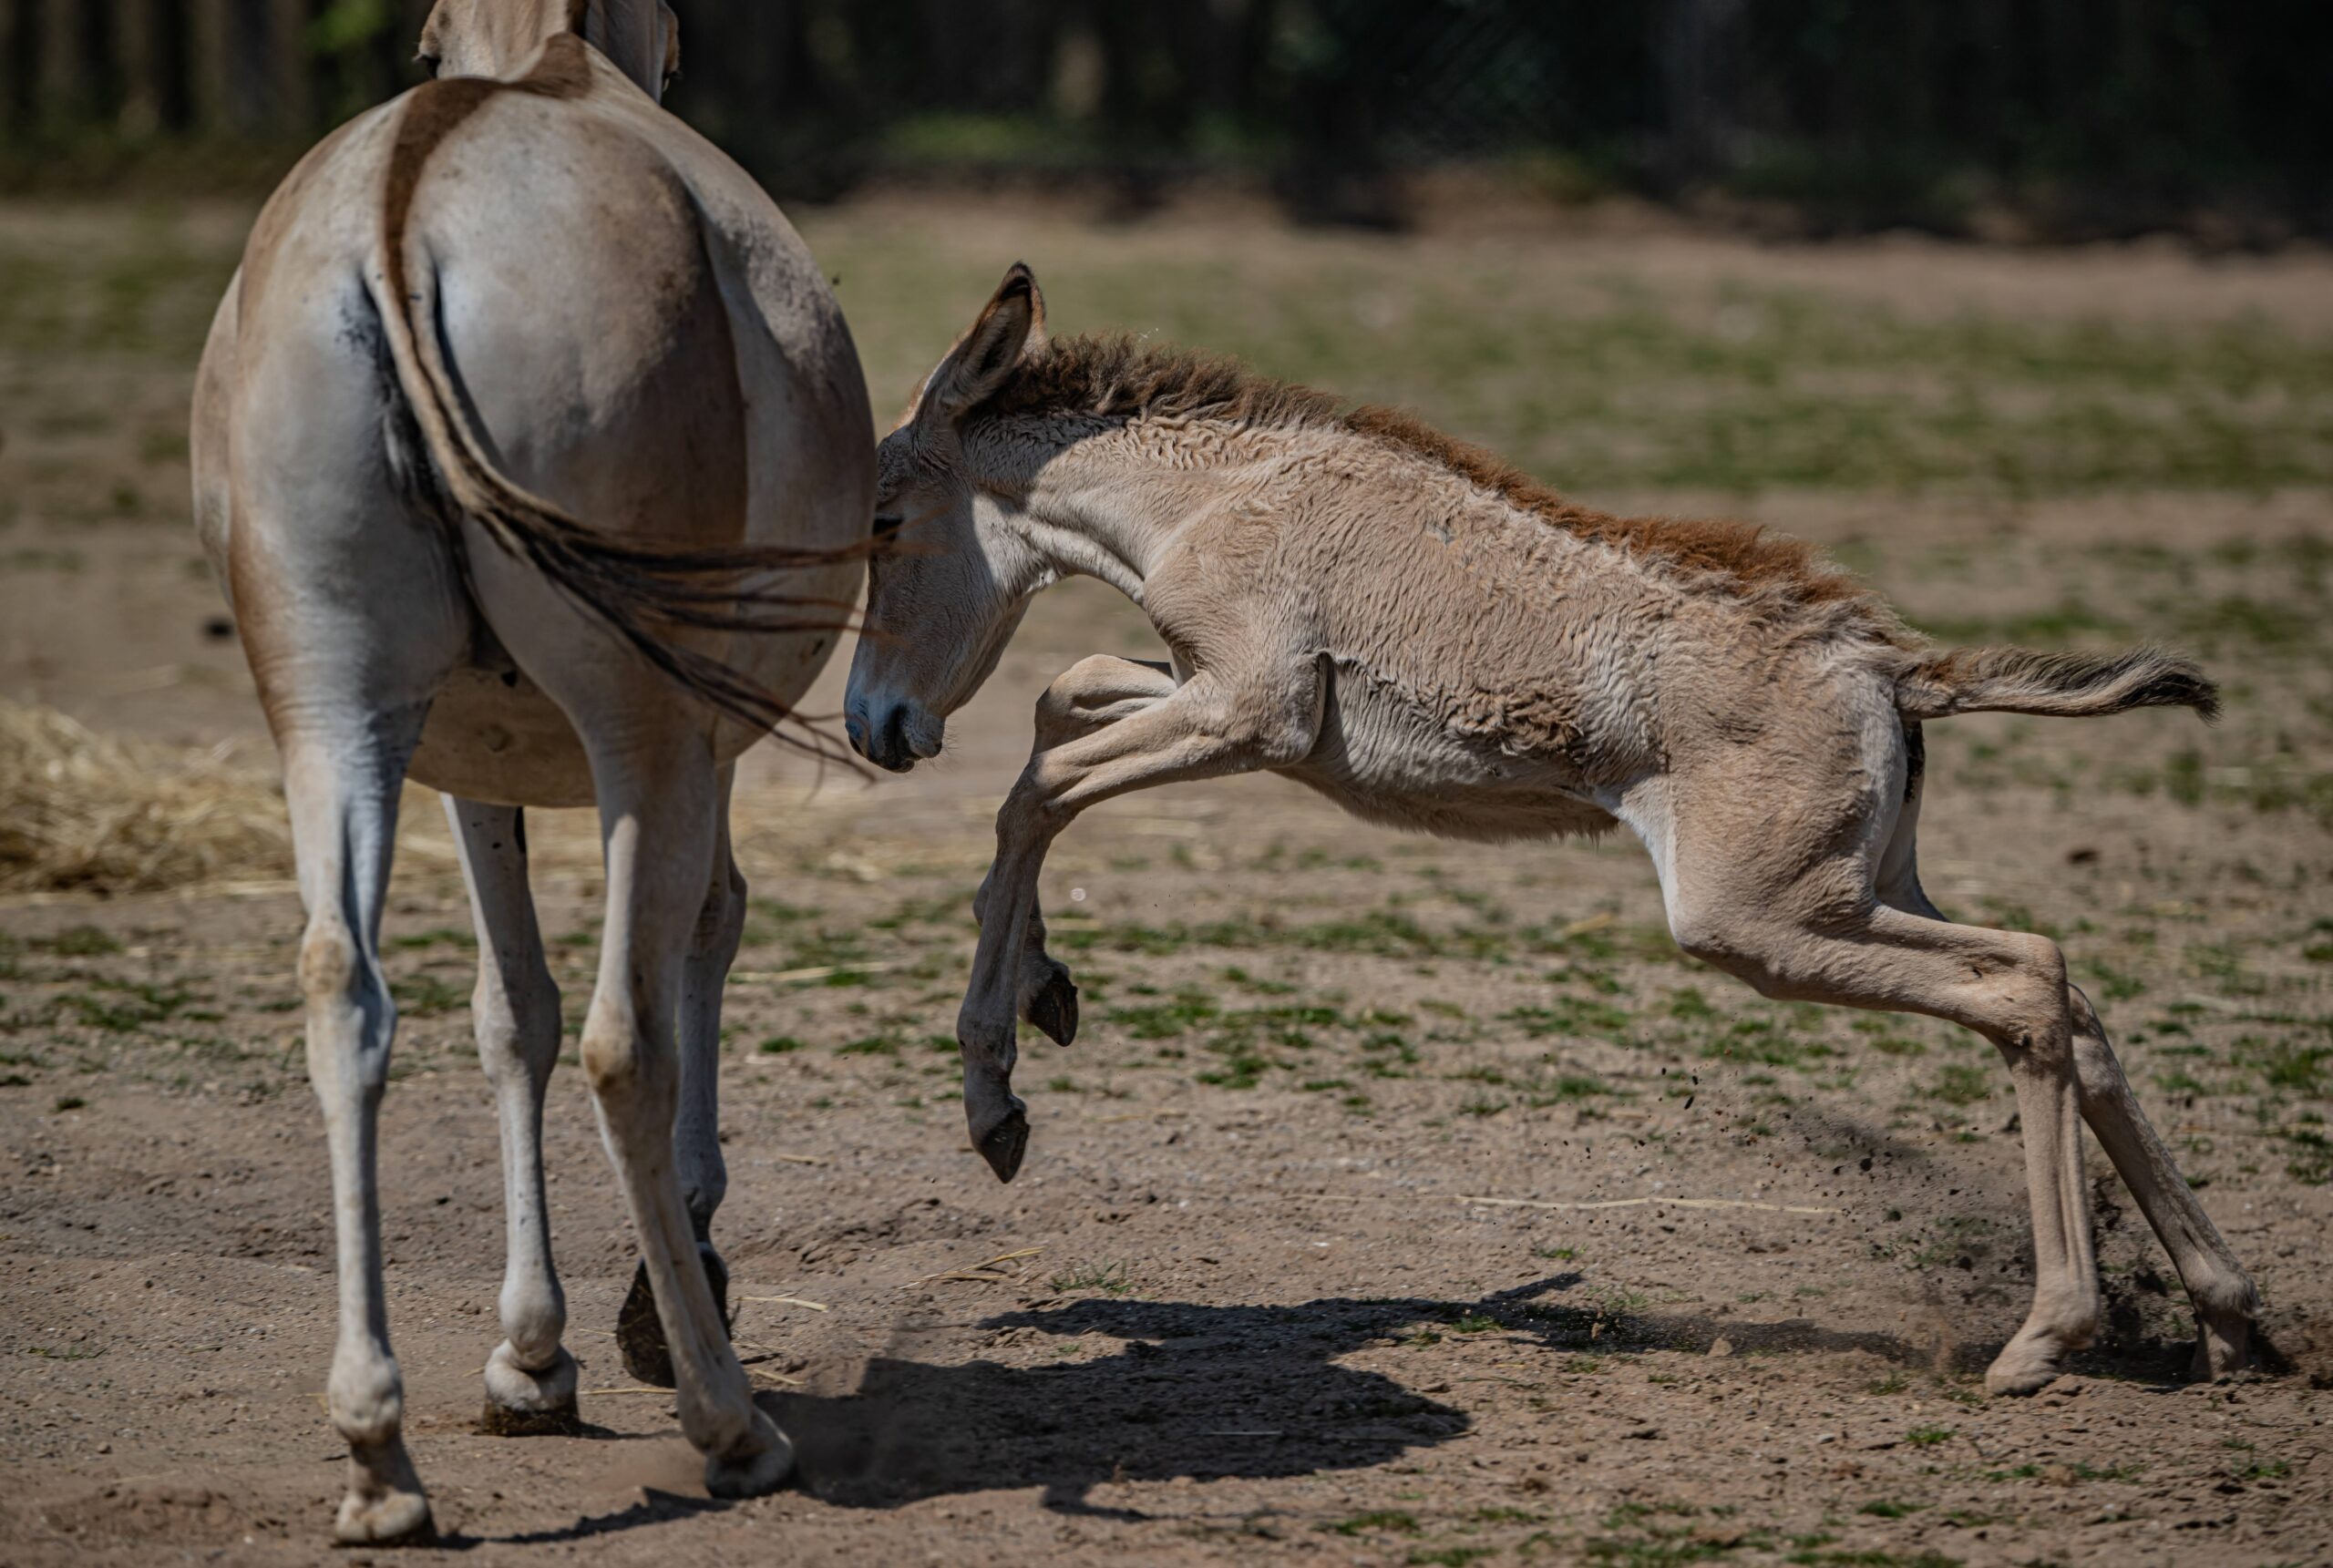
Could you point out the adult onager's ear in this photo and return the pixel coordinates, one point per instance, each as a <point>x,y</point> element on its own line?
<point>1013,323</point>
<point>672,22</point>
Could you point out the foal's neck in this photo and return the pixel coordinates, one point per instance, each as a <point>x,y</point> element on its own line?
<point>1110,504</point>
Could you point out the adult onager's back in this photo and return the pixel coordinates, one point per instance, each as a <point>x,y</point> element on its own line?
<point>522,400</point>
<point>1417,631</point>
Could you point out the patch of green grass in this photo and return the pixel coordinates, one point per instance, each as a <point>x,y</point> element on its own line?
<point>427,996</point>
<point>2308,1156</point>
<point>127,1007</point>
<point>71,1102</point>
<point>1930,1436</point>
<point>779,1045</point>
<point>1960,1085</point>
<point>438,937</point>
<point>1384,1521</point>
<point>1579,1017</point>
<point>1886,1507</point>
<point>76,942</point>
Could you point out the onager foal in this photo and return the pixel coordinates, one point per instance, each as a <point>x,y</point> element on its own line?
<point>1423,635</point>
<point>471,317</point>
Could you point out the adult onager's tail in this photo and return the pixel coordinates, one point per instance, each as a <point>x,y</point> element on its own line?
<point>2065,685</point>
<point>640,592</point>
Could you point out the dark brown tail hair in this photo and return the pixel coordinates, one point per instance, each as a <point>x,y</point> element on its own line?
<point>2071,685</point>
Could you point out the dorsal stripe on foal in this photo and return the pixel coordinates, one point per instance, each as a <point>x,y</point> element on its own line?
<point>1119,376</point>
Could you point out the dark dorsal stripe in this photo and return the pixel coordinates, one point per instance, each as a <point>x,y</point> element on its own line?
<point>1121,376</point>
<point>434,110</point>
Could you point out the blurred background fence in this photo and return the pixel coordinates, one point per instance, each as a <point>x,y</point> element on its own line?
<point>2085,115</point>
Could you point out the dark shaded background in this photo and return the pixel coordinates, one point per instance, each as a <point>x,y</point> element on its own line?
<point>2082,117</point>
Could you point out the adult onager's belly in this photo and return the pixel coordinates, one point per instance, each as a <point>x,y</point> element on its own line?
<point>494,736</point>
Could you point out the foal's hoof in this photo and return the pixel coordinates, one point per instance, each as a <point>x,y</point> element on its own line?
<point>758,1465</point>
<point>525,1403</point>
<point>1006,1143</point>
<point>2024,1368</point>
<point>2223,1350</point>
<point>640,1333</point>
<point>384,1505</point>
<point>1054,1010</point>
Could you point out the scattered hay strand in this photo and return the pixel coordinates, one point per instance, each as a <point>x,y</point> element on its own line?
<point>992,1272</point>
<point>1649,1203</point>
<point>86,813</point>
<point>790,1301</point>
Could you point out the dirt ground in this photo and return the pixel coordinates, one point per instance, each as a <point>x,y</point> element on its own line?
<point>1402,1201</point>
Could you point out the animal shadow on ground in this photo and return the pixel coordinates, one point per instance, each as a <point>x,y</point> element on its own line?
<point>1213,1392</point>
<point>1208,1392</point>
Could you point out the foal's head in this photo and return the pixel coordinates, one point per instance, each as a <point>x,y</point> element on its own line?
<point>953,575</point>
<point>496,37</point>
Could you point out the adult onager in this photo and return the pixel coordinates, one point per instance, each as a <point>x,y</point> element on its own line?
<point>525,404</point>
<point>1423,635</point>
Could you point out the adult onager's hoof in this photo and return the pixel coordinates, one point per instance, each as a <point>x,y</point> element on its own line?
<point>1005,1144</point>
<point>759,1465</point>
<point>640,1333</point>
<point>384,1505</point>
<point>1054,1010</point>
<point>524,1403</point>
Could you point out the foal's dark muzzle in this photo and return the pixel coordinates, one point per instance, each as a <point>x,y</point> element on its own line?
<point>883,737</point>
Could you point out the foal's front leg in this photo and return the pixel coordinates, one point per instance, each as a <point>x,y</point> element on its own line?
<point>1090,695</point>
<point>1209,727</point>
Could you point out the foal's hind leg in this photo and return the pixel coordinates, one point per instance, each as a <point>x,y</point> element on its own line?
<point>514,1011</point>
<point>2227,1306</point>
<point>696,1130</point>
<point>1780,893</point>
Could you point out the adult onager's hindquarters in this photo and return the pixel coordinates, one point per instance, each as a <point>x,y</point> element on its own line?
<point>525,404</point>
<point>1419,632</point>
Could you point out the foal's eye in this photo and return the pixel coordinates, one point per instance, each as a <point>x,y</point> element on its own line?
<point>887,524</point>
<point>429,63</point>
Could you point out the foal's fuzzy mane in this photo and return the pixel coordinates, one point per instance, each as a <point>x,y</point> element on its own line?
<point>1120,376</point>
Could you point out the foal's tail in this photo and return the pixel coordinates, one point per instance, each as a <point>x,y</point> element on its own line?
<point>2065,685</point>
<point>641,593</point>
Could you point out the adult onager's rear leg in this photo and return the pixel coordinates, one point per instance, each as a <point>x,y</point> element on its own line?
<point>530,1378</point>
<point>352,616</point>
<point>659,799</point>
<point>696,1130</point>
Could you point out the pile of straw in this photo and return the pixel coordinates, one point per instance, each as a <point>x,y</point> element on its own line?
<point>84,813</point>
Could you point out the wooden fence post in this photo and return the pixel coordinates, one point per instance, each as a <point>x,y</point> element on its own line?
<point>291,106</point>
<point>62,83</point>
<point>210,71</point>
<point>140,60</point>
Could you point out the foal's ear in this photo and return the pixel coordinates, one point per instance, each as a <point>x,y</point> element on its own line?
<point>1013,324</point>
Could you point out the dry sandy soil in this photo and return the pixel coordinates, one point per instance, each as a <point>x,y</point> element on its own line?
<point>1404,1203</point>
